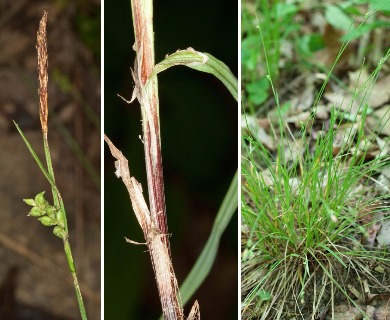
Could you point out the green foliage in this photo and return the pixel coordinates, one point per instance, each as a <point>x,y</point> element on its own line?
<point>310,43</point>
<point>257,34</point>
<point>258,90</point>
<point>274,43</point>
<point>336,17</point>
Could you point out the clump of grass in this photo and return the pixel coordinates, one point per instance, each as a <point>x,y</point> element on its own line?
<point>305,220</point>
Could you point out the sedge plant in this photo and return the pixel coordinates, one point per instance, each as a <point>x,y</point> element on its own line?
<point>307,221</point>
<point>303,220</point>
<point>50,215</point>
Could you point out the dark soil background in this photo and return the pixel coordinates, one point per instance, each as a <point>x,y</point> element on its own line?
<point>199,146</point>
<point>34,279</point>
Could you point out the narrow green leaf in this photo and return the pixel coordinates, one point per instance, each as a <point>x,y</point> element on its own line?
<point>35,156</point>
<point>206,259</point>
<point>202,62</point>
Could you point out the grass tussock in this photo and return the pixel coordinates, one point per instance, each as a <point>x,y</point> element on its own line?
<point>310,213</point>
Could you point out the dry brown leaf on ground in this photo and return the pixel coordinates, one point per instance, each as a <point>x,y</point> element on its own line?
<point>298,119</point>
<point>379,120</point>
<point>344,137</point>
<point>322,112</point>
<point>327,56</point>
<point>257,132</point>
<point>380,311</point>
<point>345,101</point>
<point>380,94</point>
<point>357,79</point>
<point>384,234</point>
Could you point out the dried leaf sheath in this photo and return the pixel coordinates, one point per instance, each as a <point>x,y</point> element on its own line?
<point>163,269</point>
<point>166,281</point>
<point>42,73</point>
<point>143,22</point>
<point>147,95</point>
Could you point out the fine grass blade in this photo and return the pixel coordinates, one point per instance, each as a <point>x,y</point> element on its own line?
<point>36,158</point>
<point>206,259</point>
<point>202,62</point>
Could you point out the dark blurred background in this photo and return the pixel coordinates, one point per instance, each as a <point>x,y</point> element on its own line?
<point>35,282</point>
<point>199,144</point>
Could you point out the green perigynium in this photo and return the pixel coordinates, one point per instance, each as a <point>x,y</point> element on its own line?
<point>47,214</point>
<point>59,232</point>
<point>30,202</point>
<point>47,221</point>
<point>36,212</point>
<point>40,201</point>
<point>51,211</point>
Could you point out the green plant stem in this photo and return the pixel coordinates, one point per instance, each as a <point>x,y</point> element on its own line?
<point>72,268</point>
<point>56,198</point>
<point>68,251</point>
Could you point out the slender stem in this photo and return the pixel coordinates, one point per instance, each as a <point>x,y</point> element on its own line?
<point>72,268</point>
<point>156,232</point>
<point>148,96</point>
<point>56,195</point>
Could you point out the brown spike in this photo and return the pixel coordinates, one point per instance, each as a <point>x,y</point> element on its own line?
<point>42,73</point>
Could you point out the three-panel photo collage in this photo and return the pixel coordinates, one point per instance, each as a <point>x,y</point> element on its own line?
<point>209,160</point>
